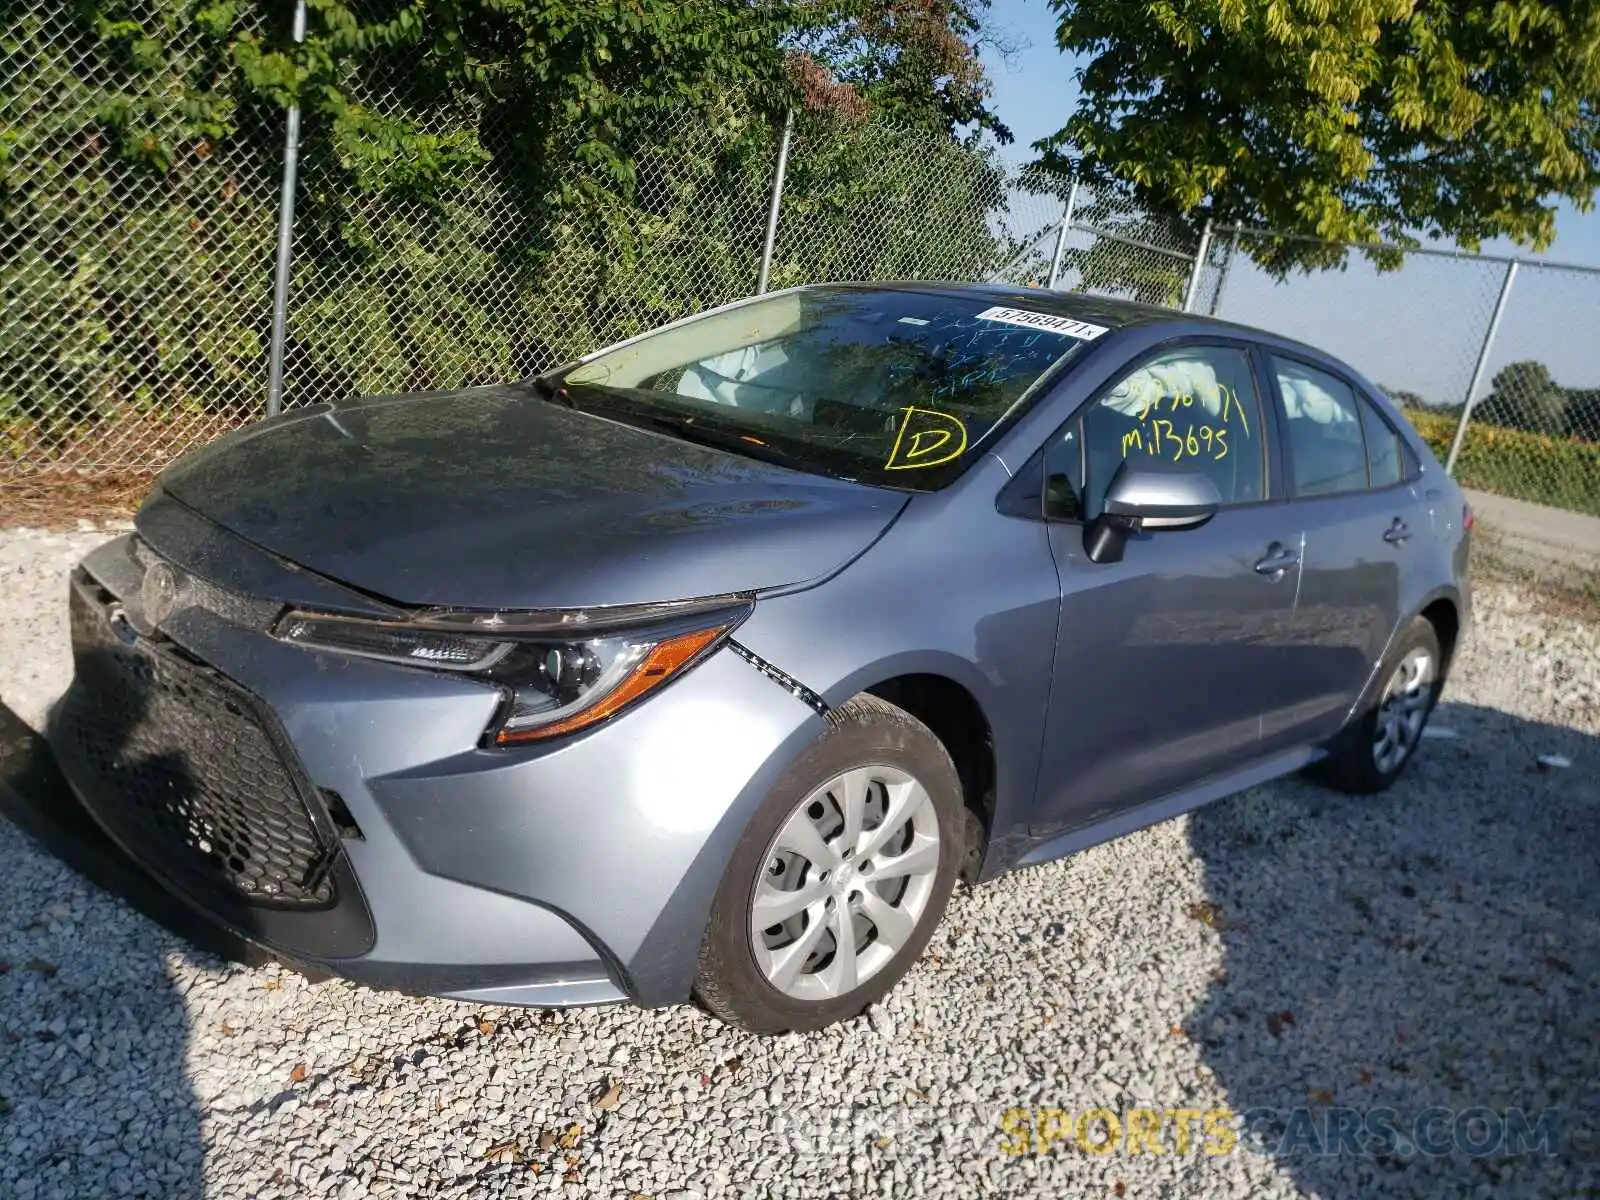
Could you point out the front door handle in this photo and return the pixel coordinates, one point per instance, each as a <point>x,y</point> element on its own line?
<point>1397,533</point>
<point>1279,559</point>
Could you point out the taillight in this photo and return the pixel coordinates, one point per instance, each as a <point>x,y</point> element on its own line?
<point>1466,518</point>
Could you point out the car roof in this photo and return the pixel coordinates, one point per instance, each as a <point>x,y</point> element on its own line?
<point>1100,310</point>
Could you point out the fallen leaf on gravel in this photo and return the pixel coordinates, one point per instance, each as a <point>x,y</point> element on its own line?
<point>547,1140</point>
<point>1322,1096</point>
<point>486,1028</point>
<point>571,1137</point>
<point>298,1075</point>
<point>535,1167</point>
<point>1178,1031</point>
<point>272,985</point>
<point>1276,1022</point>
<point>610,1098</point>
<point>572,1176</point>
<point>505,1150</point>
<point>38,965</point>
<point>1207,913</point>
<point>1119,1188</point>
<point>640,1196</point>
<point>226,1030</point>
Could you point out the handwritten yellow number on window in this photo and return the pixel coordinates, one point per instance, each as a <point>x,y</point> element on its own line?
<point>1195,440</point>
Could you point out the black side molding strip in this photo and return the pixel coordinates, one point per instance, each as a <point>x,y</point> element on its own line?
<point>784,680</point>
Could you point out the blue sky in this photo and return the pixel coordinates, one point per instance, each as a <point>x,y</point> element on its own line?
<point>1418,328</point>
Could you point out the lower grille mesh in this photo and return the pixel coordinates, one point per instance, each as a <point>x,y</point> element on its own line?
<point>175,760</point>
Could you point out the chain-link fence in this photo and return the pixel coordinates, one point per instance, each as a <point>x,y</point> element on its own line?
<point>140,198</point>
<point>135,278</point>
<point>1508,341</point>
<point>137,244</point>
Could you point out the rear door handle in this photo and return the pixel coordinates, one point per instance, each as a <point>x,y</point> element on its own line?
<point>1279,559</point>
<point>1397,533</point>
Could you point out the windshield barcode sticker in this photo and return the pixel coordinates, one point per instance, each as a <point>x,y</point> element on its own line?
<point>1071,328</point>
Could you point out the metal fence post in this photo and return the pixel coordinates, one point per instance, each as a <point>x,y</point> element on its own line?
<point>777,203</point>
<point>1482,366</point>
<point>1228,252</point>
<point>1061,238</point>
<point>280,282</point>
<point>1192,292</point>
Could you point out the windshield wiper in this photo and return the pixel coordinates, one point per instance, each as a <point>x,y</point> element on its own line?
<point>689,430</point>
<point>551,390</point>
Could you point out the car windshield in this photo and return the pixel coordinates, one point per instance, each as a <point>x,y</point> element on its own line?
<point>883,385</point>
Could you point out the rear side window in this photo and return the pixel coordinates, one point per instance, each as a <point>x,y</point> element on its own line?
<point>1385,451</point>
<point>1322,420</point>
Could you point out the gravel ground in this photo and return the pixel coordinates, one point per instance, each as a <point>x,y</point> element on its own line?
<point>1438,947</point>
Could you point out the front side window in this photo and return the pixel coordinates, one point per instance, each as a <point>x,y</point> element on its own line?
<point>1194,407</point>
<point>1323,430</point>
<point>887,386</point>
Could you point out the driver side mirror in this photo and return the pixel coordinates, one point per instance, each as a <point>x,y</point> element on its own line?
<point>1143,496</point>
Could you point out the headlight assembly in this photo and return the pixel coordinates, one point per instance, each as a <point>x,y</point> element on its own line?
<point>560,672</point>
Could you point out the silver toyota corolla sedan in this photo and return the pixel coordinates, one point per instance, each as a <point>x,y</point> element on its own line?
<point>704,666</point>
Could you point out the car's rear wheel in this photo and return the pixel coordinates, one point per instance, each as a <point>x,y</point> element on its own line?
<point>1374,750</point>
<point>840,877</point>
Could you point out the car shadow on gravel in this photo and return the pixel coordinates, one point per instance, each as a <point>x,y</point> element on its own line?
<point>1391,963</point>
<point>94,1100</point>
<point>94,1096</point>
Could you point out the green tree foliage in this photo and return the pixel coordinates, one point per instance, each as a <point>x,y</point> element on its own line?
<point>1524,396</point>
<point>1352,120</point>
<point>914,60</point>
<point>487,186</point>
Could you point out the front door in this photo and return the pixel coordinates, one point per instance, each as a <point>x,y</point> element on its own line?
<point>1168,662</point>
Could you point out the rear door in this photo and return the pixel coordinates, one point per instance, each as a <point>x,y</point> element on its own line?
<point>1167,662</point>
<point>1350,478</point>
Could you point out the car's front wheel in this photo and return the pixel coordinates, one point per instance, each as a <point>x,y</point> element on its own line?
<point>840,878</point>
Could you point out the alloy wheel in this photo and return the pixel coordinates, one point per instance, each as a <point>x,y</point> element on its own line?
<point>1403,710</point>
<point>845,882</point>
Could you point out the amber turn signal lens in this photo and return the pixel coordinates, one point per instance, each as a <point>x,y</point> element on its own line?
<point>663,661</point>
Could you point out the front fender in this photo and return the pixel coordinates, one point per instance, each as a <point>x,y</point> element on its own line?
<point>978,607</point>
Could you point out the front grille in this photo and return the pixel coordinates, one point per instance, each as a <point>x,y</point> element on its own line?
<point>177,762</point>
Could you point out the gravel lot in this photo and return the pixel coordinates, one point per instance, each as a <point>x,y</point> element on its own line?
<point>1288,947</point>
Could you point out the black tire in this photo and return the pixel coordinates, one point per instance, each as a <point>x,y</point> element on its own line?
<point>730,983</point>
<point>1351,765</point>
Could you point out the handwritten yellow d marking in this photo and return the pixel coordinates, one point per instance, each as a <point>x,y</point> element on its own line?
<point>927,438</point>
